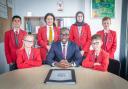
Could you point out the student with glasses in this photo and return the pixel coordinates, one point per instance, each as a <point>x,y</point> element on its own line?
<point>28,56</point>
<point>97,59</point>
<point>64,53</point>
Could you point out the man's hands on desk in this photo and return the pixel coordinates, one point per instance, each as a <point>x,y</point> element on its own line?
<point>63,64</point>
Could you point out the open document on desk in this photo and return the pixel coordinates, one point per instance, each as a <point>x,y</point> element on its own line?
<point>64,76</point>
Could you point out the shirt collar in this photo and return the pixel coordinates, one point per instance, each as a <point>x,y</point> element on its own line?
<point>106,31</point>
<point>49,27</point>
<point>64,44</point>
<point>16,30</point>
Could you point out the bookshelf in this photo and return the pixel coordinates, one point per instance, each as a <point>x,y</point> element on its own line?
<point>33,23</point>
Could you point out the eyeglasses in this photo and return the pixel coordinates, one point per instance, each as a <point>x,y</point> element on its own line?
<point>95,43</point>
<point>27,41</point>
<point>64,34</point>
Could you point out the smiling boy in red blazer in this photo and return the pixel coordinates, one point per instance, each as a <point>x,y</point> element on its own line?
<point>13,41</point>
<point>108,37</point>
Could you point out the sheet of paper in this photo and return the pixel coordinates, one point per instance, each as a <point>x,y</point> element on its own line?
<point>61,75</point>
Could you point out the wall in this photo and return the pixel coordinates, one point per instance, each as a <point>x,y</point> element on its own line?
<point>96,24</point>
<point>41,7</point>
<point>5,26</point>
<point>3,65</point>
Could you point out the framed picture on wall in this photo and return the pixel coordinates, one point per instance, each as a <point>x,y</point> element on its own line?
<point>3,2</point>
<point>102,8</point>
<point>3,11</point>
<point>10,3</point>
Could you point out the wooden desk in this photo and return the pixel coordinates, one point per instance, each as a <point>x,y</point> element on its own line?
<point>33,78</point>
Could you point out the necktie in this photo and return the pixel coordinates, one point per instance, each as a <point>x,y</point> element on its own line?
<point>105,40</point>
<point>64,52</point>
<point>16,38</point>
<point>50,35</point>
<point>96,58</point>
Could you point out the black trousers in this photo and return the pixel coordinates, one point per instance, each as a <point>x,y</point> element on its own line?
<point>12,66</point>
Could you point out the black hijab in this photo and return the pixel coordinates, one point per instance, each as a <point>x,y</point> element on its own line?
<point>79,23</point>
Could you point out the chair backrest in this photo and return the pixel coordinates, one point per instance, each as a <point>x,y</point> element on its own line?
<point>114,66</point>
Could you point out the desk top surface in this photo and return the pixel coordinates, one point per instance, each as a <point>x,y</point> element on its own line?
<point>33,78</point>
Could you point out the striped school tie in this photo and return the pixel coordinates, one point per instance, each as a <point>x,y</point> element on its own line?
<point>105,40</point>
<point>50,35</point>
<point>16,38</point>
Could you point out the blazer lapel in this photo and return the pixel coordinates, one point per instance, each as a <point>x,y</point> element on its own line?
<point>31,56</point>
<point>99,57</point>
<point>82,32</point>
<point>92,56</point>
<point>55,33</point>
<point>20,38</point>
<point>109,39</point>
<point>13,38</point>
<point>77,32</point>
<point>45,33</point>
<point>68,50</point>
<point>25,55</point>
<point>59,48</point>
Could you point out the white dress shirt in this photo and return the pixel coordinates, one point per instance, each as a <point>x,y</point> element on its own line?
<point>16,30</point>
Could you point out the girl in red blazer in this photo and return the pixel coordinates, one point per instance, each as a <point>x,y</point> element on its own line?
<point>28,56</point>
<point>47,34</point>
<point>80,33</point>
<point>97,58</point>
<point>108,37</point>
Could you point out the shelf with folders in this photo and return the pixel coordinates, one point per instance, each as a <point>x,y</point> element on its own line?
<point>32,24</point>
<point>65,21</point>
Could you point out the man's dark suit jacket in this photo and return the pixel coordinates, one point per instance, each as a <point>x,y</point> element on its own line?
<point>73,54</point>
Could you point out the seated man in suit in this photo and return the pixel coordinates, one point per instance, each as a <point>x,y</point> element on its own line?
<point>97,59</point>
<point>64,53</point>
<point>28,56</point>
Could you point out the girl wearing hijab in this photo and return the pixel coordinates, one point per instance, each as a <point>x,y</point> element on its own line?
<point>80,33</point>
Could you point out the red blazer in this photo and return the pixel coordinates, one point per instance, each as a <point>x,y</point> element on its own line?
<point>43,40</point>
<point>83,40</point>
<point>103,58</point>
<point>111,43</point>
<point>24,62</point>
<point>10,45</point>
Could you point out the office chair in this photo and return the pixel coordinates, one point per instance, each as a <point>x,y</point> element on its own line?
<point>114,66</point>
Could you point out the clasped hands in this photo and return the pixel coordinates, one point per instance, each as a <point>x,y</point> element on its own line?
<point>97,64</point>
<point>63,64</point>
